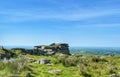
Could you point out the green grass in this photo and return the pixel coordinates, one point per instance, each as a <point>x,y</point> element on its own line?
<point>86,66</point>
<point>17,67</point>
<point>70,66</point>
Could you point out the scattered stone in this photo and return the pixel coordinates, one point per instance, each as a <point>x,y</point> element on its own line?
<point>32,60</point>
<point>54,71</point>
<point>113,75</point>
<point>49,64</point>
<point>43,61</point>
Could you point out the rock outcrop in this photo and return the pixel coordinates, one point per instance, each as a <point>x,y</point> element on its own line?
<point>4,53</point>
<point>52,49</point>
<point>46,50</point>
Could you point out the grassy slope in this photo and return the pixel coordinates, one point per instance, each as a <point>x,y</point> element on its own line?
<point>42,70</point>
<point>70,66</point>
<point>88,68</point>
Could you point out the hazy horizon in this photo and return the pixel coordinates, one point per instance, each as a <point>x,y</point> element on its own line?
<point>86,23</point>
<point>67,43</point>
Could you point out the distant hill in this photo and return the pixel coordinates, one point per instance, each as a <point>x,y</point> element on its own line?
<point>95,50</point>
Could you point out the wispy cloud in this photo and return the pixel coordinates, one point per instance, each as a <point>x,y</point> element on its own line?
<point>28,15</point>
<point>113,25</point>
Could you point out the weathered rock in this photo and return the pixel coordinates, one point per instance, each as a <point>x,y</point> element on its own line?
<point>54,71</point>
<point>32,60</point>
<point>113,75</point>
<point>46,50</point>
<point>52,49</point>
<point>49,64</point>
<point>29,51</point>
<point>4,53</point>
<point>43,61</point>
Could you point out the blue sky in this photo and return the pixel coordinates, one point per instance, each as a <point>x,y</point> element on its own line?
<point>77,22</point>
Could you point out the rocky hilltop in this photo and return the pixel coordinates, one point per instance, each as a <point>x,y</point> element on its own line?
<point>52,49</point>
<point>46,50</point>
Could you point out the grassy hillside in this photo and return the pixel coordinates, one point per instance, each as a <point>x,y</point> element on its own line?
<point>79,66</point>
<point>62,66</point>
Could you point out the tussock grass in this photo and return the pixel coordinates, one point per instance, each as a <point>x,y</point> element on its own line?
<point>69,66</point>
<point>14,67</point>
<point>78,66</point>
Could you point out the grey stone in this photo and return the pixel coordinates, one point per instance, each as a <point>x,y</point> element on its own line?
<point>4,53</point>
<point>43,61</point>
<point>32,60</point>
<point>54,71</point>
<point>52,49</point>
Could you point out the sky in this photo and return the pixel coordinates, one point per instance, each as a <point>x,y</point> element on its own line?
<point>84,23</point>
